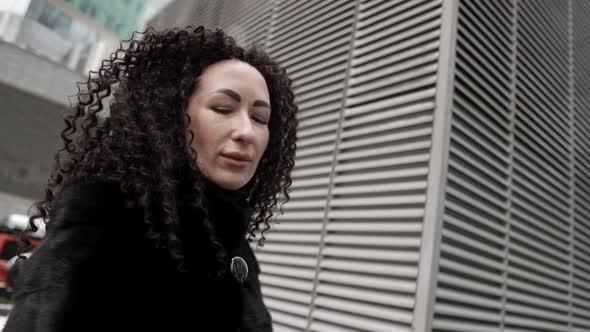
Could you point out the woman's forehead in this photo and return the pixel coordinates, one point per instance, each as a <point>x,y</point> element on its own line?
<point>232,74</point>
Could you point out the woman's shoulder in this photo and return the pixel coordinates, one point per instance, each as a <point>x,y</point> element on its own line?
<point>87,203</point>
<point>90,213</point>
<point>90,195</point>
<point>84,230</point>
<point>89,216</point>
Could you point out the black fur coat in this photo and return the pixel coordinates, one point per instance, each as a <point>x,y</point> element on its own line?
<point>96,271</point>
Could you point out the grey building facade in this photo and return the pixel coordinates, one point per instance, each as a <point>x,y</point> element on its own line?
<point>442,179</point>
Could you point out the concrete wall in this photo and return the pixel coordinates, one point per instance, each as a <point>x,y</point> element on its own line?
<point>29,136</point>
<point>33,91</point>
<point>38,76</point>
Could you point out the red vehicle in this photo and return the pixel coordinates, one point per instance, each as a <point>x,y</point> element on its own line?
<point>10,230</point>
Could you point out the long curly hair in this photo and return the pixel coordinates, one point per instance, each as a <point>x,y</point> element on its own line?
<point>142,144</point>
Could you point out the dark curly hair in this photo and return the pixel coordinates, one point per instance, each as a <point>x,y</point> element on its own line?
<point>142,145</point>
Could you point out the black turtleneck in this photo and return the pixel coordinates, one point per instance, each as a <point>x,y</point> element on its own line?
<point>230,218</point>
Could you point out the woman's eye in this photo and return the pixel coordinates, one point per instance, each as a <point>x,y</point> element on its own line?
<point>222,110</point>
<point>260,119</point>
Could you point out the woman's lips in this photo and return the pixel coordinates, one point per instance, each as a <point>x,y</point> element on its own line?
<point>237,156</point>
<point>237,160</point>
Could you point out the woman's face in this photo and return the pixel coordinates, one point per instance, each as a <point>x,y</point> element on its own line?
<point>229,111</point>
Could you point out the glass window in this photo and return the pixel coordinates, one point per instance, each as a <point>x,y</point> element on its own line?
<point>92,12</point>
<point>85,6</point>
<point>109,22</point>
<point>55,20</point>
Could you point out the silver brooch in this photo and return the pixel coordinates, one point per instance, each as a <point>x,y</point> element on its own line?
<point>239,269</point>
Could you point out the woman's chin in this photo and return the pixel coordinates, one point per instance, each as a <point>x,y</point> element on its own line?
<point>230,182</point>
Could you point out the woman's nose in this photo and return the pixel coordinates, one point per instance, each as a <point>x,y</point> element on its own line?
<point>243,128</point>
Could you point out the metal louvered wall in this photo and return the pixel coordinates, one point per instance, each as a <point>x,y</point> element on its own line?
<point>369,257</point>
<point>311,39</point>
<point>494,234</point>
<point>514,245</point>
<point>580,301</point>
<point>183,13</point>
<point>248,21</point>
<point>471,266</point>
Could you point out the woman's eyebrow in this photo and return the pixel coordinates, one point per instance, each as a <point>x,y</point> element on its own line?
<point>236,96</point>
<point>261,103</point>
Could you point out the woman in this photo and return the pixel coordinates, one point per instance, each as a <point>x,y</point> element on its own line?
<point>148,210</point>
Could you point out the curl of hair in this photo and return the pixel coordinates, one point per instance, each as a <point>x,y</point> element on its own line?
<point>142,144</point>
